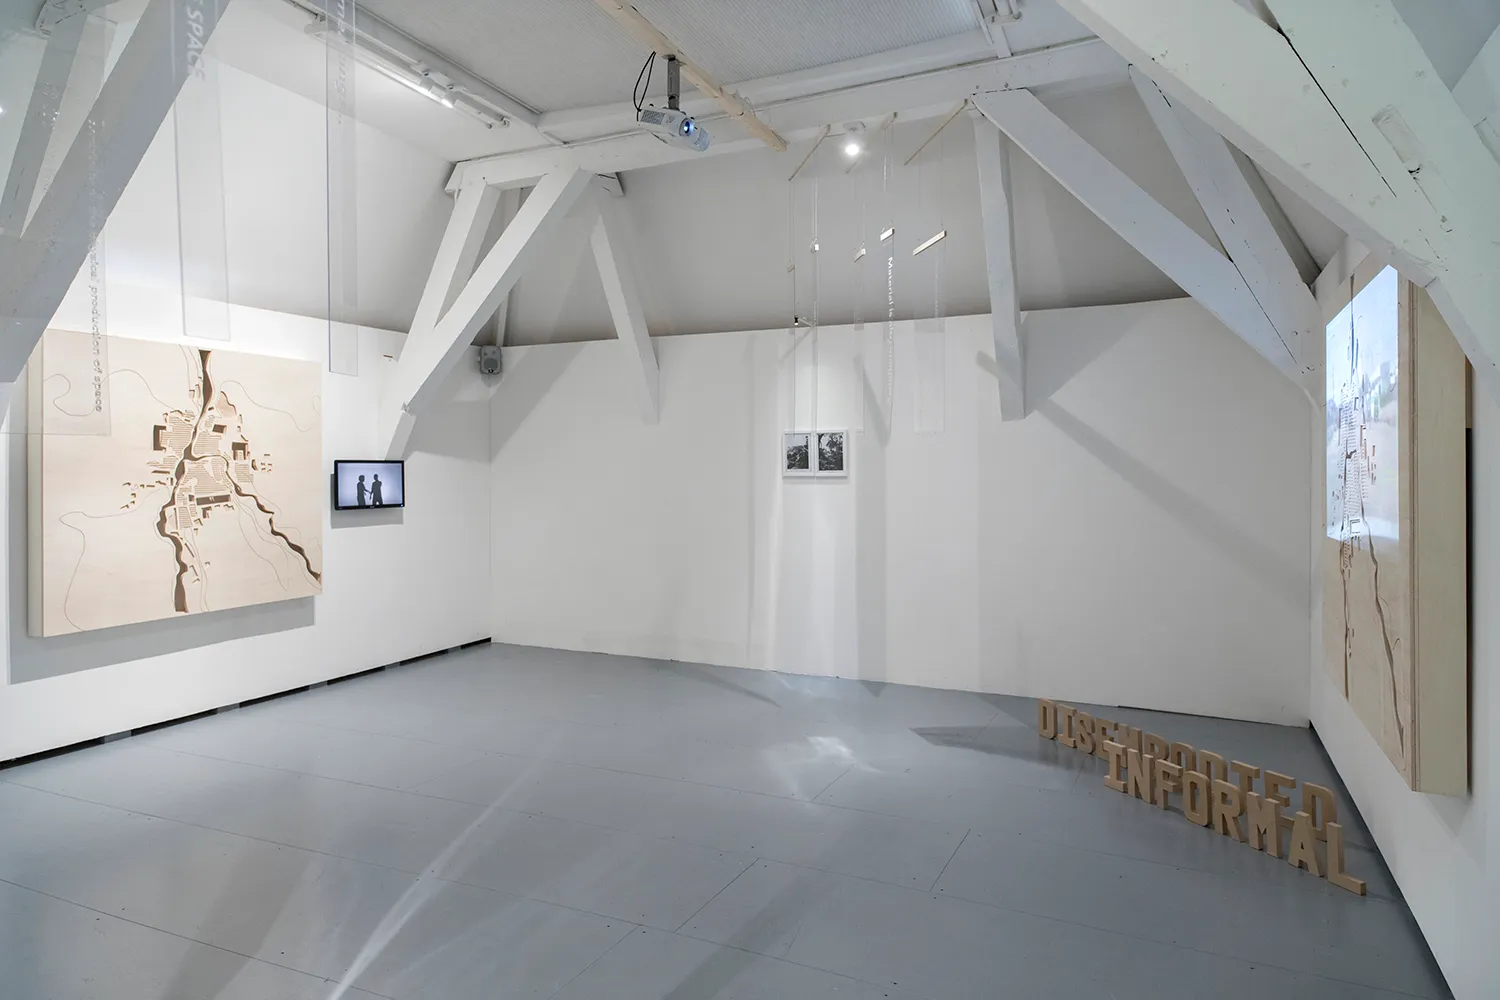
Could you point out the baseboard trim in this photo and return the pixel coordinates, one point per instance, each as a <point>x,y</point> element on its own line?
<point>179,720</point>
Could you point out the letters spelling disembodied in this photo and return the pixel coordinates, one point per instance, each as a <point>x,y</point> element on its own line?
<point>1221,795</point>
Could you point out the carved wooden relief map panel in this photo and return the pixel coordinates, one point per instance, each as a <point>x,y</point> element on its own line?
<point>205,494</point>
<point>1394,576</point>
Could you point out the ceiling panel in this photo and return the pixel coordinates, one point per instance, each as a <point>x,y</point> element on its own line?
<point>744,41</point>
<point>568,53</point>
<point>550,55</point>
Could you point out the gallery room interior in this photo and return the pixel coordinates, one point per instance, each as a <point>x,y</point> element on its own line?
<point>692,500</point>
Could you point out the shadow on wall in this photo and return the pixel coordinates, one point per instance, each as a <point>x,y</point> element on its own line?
<point>1287,582</point>
<point>516,397</point>
<point>339,519</point>
<point>439,432</point>
<point>1053,361</point>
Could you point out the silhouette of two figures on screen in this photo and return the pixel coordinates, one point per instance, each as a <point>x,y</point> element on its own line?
<point>368,496</point>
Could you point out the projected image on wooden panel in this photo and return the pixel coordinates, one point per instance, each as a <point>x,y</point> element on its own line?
<point>1393,566</point>
<point>206,493</point>
<point>1364,453</point>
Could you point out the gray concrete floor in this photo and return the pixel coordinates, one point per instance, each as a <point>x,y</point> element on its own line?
<point>509,822</point>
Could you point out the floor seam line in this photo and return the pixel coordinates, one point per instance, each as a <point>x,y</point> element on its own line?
<point>962,840</point>
<point>737,877</point>
<point>599,958</point>
<point>711,847</point>
<point>565,763</point>
<point>218,829</point>
<point>825,788</point>
<point>459,881</point>
<point>1176,944</point>
<point>814,968</point>
<point>186,937</point>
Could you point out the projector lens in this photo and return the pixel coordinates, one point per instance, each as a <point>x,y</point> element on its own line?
<point>687,126</point>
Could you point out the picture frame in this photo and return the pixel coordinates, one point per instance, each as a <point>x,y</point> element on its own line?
<point>815,454</point>
<point>797,454</point>
<point>832,454</point>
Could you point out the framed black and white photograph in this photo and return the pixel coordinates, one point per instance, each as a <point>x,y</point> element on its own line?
<point>832,453</point>
<point>796,454</point>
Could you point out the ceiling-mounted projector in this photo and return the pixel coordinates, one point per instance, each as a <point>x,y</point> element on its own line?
<point>673,127</point>
<point>671,124</point>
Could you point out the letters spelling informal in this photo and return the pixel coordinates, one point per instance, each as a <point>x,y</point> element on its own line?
<point>1151,769</point>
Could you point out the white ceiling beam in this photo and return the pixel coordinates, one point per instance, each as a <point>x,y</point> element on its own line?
<point>572,124</point>
<point>1331,288</point>
<point>510,203</point>
<point>1406,119</point>
<point>921,94</point>
<point>1158,235</point>
<point>1249,236</point>
<point>55,12</point>
<point>1244,79</point>
<point>624,298</point>
<point>736,107</point>
<point>992,151</point>
<point>430,355</point>
<point>1478,93</point>
<point>473,210</point>
<point>37,268</point>
<point>1323,108</point>
<point>39,123</point>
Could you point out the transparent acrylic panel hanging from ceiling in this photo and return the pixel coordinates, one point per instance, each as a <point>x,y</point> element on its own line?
<point>339,24</point>
<point>54,203</point>
<point>198,148</point>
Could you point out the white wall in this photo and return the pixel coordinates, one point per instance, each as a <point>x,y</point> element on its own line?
<point>1443,850</point>
<point>1140,538</point>
<point>397,583</point>
<point>275,201</point>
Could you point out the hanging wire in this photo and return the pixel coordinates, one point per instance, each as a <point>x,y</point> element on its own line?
<point>638,93</point>
<point>940,262</point>
<point>890,287</point>
<point>814,401</point>
<point>794,321</point>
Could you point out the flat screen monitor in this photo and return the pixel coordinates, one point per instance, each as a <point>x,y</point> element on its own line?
<point>368,485</point>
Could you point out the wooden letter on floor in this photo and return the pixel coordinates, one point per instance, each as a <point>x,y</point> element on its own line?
<point>1046,718</point>
<point>1116,754</point>
<point>1083,730</point>
<point>1301,852</point>
<point>1184,756</point>
<point>1212,765</point>
<point>1318,803</point>
<point>1263,816</point>
<point>1168,778</point>
<point>1105,730</point>
<point>1226,809</point>
<point>1195,797</point>
<point>1336,873</point>
<point>1065,734</point>
<point>1140,774</point>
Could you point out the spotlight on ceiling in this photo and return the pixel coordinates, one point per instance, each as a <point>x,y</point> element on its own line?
<point>852,148</point>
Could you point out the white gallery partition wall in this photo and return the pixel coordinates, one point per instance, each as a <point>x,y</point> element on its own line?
<point>875,499</point>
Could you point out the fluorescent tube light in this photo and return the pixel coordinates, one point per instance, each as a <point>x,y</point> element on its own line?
<point>930,242</point>
<point>425,89</point>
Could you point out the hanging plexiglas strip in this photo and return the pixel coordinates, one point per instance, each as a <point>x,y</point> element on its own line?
<point>198,146</point>
<point>929,361</point>
<point>343,231</point>
<point>52,80</point>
